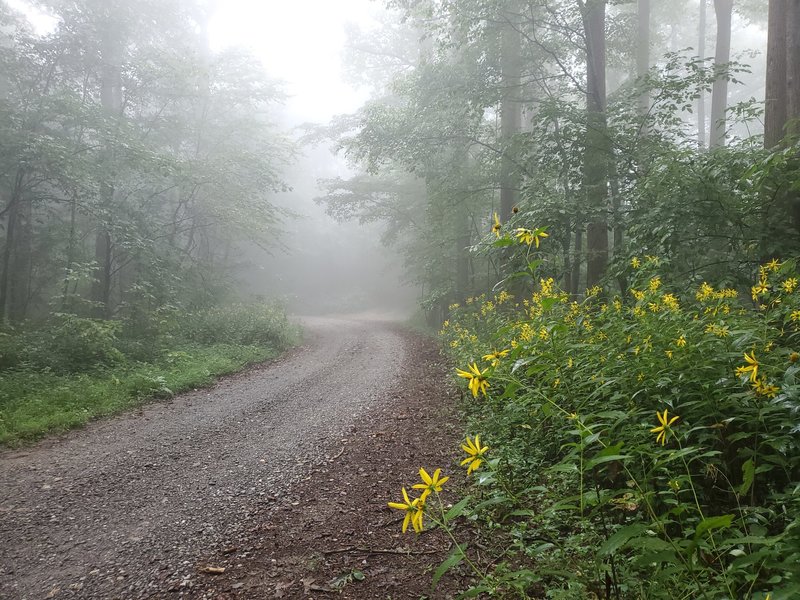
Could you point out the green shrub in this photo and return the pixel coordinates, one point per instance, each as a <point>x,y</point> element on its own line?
<point>246,324</point>
<point>579,412</point>
<point>65,344</point>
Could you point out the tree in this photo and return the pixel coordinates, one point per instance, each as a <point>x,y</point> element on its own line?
<point>643,51</point>
<point>597,149</point>
<point>776,96</point>
<point>510,111</point>
<point>722,56</point>
<point>701,54</point>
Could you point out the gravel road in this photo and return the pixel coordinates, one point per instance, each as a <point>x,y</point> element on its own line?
<point>126,507</point>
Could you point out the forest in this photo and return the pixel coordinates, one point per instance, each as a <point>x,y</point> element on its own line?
<point>595,203</point>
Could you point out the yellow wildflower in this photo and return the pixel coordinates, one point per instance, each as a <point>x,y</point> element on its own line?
<point>762,388</point>
<point>671,302</point>
<point>789,285</point>
<point>681,341</point>
<point>530,236</point>
<point>772,265</point>
<point>654,283</point>
<point>668,353</point>
<point>494,357</point>
<point>751,367</point>
<point>705,292</point>
<point>759,289</point>
<point>665,427</point>
<point>477,379</point>
<point>635,262</point>
<point>795,316</point>
<point>526,334</point>
<point>793,357</point>
<point>718,330</point>
<point>547,285</point>
<point>496,226</point>
<point>413,509</point>
<point>429,483</point>
<point>474,452</point>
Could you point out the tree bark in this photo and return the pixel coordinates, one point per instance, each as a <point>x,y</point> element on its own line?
<point>722,56</point>
<point>597,152</point>
<point>510,114</point>
<point>701,53</point>
<point>19,292</point>
<point>111,101</point>
<point>643,55</point>
<point>776,99</point>
<point>793,66</point>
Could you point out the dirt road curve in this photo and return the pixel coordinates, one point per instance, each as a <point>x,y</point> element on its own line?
<point>128,505</point>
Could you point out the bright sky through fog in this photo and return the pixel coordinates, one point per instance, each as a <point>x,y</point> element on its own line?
<point>299,42</point>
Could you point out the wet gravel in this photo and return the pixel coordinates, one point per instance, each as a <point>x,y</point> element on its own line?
<point>126,507</point>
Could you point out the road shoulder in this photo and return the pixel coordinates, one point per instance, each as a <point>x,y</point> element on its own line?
<point>334,525</point>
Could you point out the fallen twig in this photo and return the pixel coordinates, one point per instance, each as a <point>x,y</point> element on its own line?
<point>379,551</point>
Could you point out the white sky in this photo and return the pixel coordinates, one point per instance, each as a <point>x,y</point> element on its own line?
<point>299,42</point>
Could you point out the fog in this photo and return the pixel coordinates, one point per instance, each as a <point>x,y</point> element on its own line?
<point>194,151</point>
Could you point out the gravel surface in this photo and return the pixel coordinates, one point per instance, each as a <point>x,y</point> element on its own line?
<point>126,507</point>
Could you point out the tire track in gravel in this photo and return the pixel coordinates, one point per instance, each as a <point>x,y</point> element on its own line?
<point>124,507</point>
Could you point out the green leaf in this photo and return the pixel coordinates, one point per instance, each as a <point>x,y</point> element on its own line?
<point>451,561</point>
<point>712,523</point>
<point>621,538</point>
<point>457,509</point>
<point>748,475</point>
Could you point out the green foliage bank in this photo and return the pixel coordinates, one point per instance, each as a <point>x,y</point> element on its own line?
<point>70,370</point>
<point>642,446</point>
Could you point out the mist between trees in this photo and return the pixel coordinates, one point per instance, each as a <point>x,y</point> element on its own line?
<point>144,175</point>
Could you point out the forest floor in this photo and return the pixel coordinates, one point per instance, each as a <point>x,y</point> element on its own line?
<point>271,484</point>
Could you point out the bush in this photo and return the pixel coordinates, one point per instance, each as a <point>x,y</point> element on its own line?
<point>580,411</point>
<point>245,324</point>
<point>65,344</point>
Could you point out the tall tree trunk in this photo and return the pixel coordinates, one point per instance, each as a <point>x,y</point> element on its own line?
<point>793,66</point>
<point>19,292</point>
<point>776,100</point>
<point>576,259</point>
<point>701,53</point>
<point>722,56</point>
<point>111,100</point>
<point>462,259</point>
<point>595,167</point>
<point>643,55</point>
<point>12,210</point>
<point>781,113</point>
<point>73,213</point>
<point>510,114</point>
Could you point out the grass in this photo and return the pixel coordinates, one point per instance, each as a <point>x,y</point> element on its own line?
<point>34,403</point>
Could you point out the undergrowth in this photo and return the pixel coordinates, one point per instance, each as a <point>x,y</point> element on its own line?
<point>644,446</point>
<point>70,370</point>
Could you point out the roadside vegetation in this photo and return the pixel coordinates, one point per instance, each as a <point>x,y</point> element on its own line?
<point>615,279</point>
<point>69,370</point>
